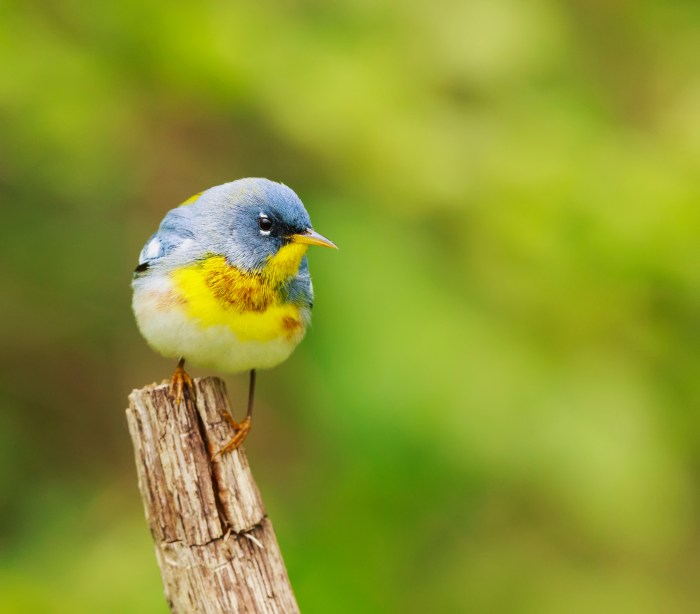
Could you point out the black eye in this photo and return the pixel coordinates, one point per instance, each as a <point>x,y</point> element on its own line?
<point>265,224</point>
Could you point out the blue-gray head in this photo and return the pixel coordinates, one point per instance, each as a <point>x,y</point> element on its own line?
<point>256,218</point>
<point>248,221</point>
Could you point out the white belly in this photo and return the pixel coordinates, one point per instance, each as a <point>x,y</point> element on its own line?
<point>168,329</point>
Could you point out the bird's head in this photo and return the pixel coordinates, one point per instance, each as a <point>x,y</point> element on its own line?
<point>260,225</point>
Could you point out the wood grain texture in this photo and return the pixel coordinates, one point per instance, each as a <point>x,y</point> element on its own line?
<point>215,546</point>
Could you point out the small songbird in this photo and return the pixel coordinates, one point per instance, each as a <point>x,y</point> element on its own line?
<point>224,283</point>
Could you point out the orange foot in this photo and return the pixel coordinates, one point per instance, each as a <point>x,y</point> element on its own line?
<point>181,384</point>
<point>242,429</point>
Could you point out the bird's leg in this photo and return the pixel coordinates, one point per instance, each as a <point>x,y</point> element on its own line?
<point>241,428</point>
<point>181,384</point>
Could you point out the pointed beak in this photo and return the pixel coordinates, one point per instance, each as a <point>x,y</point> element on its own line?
<point>311,237</point>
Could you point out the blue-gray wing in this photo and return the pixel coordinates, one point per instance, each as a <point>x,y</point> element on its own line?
<point>173,230</point>
<point>301,291</point>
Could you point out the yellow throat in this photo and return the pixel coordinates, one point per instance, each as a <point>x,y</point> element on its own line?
<point>249,303</point>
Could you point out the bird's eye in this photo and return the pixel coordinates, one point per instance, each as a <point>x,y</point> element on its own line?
<point>265,224</point>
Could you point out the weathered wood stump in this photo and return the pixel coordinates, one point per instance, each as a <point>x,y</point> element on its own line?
<point>214,543</point>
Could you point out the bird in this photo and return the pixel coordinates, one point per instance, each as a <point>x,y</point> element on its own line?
<point>224,284</point>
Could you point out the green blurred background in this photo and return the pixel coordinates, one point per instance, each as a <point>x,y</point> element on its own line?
<point>497,407</point>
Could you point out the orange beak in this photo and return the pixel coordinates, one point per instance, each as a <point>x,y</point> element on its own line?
<point>311,237</point>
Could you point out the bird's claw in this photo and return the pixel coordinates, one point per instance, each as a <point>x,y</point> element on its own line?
<point>181,385</point>
<point>242,429</point>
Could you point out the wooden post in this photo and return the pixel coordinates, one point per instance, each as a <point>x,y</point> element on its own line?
<point>215,545</point>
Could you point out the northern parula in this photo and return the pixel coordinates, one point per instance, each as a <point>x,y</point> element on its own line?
<point>224,283</point>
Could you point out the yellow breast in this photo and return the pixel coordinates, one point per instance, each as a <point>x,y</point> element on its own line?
<point>249,304</point>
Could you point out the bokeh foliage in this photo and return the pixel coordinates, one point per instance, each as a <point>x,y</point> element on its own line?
<point>497,407</point>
